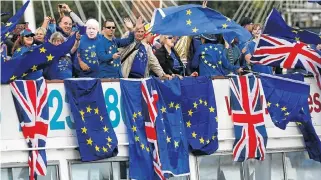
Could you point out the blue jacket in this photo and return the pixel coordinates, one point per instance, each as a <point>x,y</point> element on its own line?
<point>32,75</point>
<point>88,54</point>
<point>109,67</point>
<point>60,69</point>
<point>211,61</point>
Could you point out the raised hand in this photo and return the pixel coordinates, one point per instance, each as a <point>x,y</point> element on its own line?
<point>128,23</point>
<point>204,5</point>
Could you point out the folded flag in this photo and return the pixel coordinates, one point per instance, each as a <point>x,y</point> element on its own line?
<point>171,138</point>
<point>276,26</point>
<point>200,114</point>
<point>95,134</point>
<point>30,99</point>
<point>285,99</point>
<point>140,150</point>
<point>286,53</point>
<point>247,115</point>
<point>12,22</point>
<point>36,59</point>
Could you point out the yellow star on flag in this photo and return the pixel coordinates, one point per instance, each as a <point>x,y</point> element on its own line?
<point>224,26</point>
<point>203,57</point>
<point>109,145</point>
<point>147,149</point>
<point>8,24</point>
<point>205,103</point>
<point>7,34</point>
<point>205,61</point>
<point>134,115</point>
<point>194,30</point>
<point>84,130</point>
<point>13,77</point>
<point>188,124</point>
<point>201,101</point>
<point>134,129</point>
<point>298,123</point>
<point>106,129</point>
<point>216,119</point>
<point>97,148</point>
<point>142,146</point>
<point>34,68</point>
<point>208,141</point>
<point>211,109</point>
<point>139,113</point>
<point>220,62</point>
<point>228,19</point>
<point>24,74</point>
<point>18,50</point>
<point>268,104</point>
<point>297,38</point>
<point>109,139</point>
<point>188,22</point>
<point>81,112</point>
<point>105,149</point>
<point>42,50</point>
<point>195,105</point>
<point>286,114</point>
<point>137,138</point>
<point>190,112</point>
<point>177,106</point>
<point>176,144</point>
<point>194,134</point>
<point>168,139</point>
<point>283,108</point>
<point>294,31</point>
<point>188,12</point>
<point>96,110</point>
<point>201,140</point>
<point>163,109</point>
<point>101,118</point>
<point>89,141</point>
<point>88,109</point>
<point>171,105</point>
<point>277,105</point>
<point>213,137</point>
<point>50,57</point>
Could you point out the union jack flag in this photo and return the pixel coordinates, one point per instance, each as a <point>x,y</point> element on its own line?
<point>30,98</point>
<point>285,53</point>
<point>151,101</point>
<point>247,115</point>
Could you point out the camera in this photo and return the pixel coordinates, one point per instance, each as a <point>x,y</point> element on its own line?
<point>60,5</point>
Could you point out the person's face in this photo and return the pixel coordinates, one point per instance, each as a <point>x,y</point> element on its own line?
<point>66,25</point>
<point>40,36</point>
<point>57,41</point>
<point>257,31</point>
<point>149,37</point>
<point>28,40</point>
<point>169,41</point>
<point>109,29</point>
<point>19,28</point>
<point>91,31</point>
<point>139,34</point>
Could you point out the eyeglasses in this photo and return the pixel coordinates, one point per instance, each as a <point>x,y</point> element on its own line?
<point>28,35</point>
<point>110,27</point>
<point>170,37</point>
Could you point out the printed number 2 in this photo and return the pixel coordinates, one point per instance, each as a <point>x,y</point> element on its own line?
<point>54,123</point>
<point>112,106</point>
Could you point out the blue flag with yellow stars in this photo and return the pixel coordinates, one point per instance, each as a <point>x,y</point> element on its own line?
<point>189,20</point>
<point>276,26</point>
<point>286,99</point>
<point>200,114</point>
<point>34,60</point>
<point>12,22</point>
<point>95,134</point>
<point>140,152</point>
<point>171,137</point>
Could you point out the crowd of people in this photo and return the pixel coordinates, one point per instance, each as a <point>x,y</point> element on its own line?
<point>139,54</point>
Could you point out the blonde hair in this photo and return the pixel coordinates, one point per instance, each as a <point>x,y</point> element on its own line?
<point>56,35</point>
<point>256,26</point>
<point>41,29</point>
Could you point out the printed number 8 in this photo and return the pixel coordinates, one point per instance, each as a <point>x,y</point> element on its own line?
<point>112,106</point>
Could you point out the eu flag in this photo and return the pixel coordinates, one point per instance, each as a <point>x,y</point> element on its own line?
<point>34,60</point>
<point>12,22</point>
<point>171,138</point>
<point>276,26</point>
<point>95,134</point>
<point>286,98</point>
<point>200,114</point>
<point>140,152</point>
<point>189,20</point>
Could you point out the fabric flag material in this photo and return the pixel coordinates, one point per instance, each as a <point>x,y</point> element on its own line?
<point>200,114</point>
<point>95,134</point>
<point>276,26</point>
<point>285,99</point>
<point>12,22</point>
<point>189,20</point>
<point>30,99</point>
<point>140,151</point>
<point>247,115</point>
<point>275,51</point>
<point>171,138</point>
<point>34,60</point>
<point>315,1</point>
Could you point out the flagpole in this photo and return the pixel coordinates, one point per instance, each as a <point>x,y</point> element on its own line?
<point>30,16</point>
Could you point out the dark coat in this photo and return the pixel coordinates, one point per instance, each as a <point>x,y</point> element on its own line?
<point>166,61</point>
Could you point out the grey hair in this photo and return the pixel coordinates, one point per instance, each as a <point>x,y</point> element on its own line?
<point>57,35</point>
<point>93,22</point>
<point>41,29</point>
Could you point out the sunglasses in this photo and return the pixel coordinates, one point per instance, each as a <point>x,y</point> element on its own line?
<point>170,37</point>
<point>28,36</point>
<point>110,27</point>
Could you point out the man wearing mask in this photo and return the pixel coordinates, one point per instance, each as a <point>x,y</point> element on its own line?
<point>138,58</point>
<point>107,50</point>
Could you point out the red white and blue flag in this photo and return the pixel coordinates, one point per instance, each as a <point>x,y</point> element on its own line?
<point>30,98</point>
<point>247,115</point>
<point>151,101</point>
<point>286,53</point>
